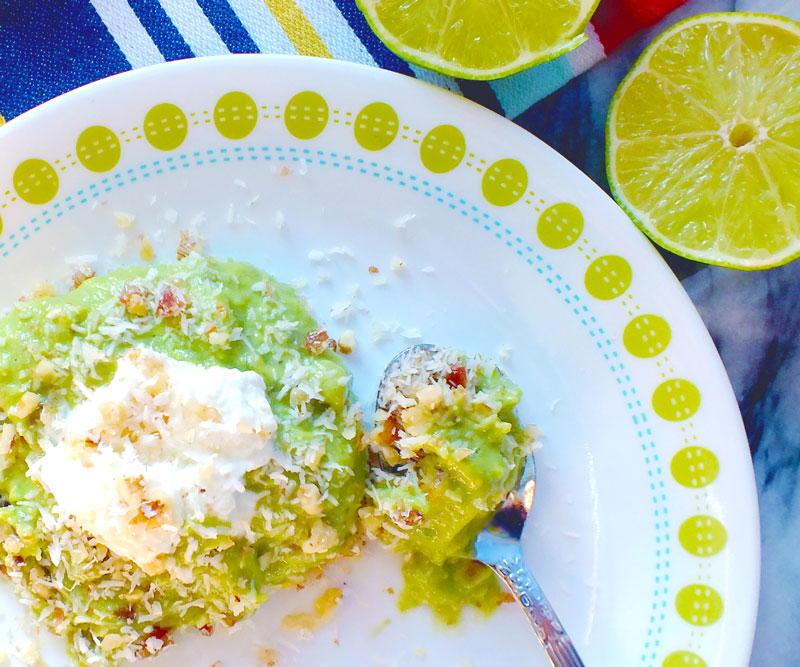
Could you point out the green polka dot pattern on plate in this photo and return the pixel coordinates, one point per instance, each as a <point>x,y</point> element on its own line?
<point>646,336</point>
<point>694,467</point>
<point>608,277</point>
<point>376,126</point>
<point>683,659</point>
<point>442,149</point>
<point>675,400</point>
<point>235,115</point>
<point>504,182</point>
<point>35,181</point>
<point>165,127</point>
<point>306,115</point>
<point>699,604</point>
<point>560,226</point>
<point>702,536</point>
<point>98,148</point>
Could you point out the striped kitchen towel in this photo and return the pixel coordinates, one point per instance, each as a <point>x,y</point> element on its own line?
<point>48,47</point>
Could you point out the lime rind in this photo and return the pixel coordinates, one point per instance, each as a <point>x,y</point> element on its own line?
<point>792,252</point>
<point>573,40</point>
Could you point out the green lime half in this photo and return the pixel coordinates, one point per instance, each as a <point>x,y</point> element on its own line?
<point>479,39</point>
<point>703,140</point>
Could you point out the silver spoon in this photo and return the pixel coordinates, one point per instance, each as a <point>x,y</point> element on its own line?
<point>498,544</point>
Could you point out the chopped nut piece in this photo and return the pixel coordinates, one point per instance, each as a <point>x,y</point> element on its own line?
<point>151,509</point>
<point>127,612</point>
<point>347,341</point>
<point>145,249</point>
<point>407,517</point>
<point>154,642</point>
<point>390,431</point>
<point>82,274</point>
<point>321,539</point>
<point>43,288</point>
<point>310,499</point>
<point>134,298</point>
<point>318,341</point>
<point>172,302</point>
<point>218,338</point>
<point>27,404</point>
<point>6,438</point>
<point>370,522</point>
<point>206,630</point>
<point>373,269</point>
<point>13,545</point>
<point>111,642</point>
<point>189,243</point>
<point>430,396</point>
<point>44,369</point>
<point>297,397</point>
<point>285,171</point>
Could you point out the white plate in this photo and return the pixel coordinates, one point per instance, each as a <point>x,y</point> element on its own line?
<point>614,535</point>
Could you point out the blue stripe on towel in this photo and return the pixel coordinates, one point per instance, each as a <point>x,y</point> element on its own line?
<point>71,46</point>
<point>228,26</point>
<point>161,29</point>
<point>378,50</point>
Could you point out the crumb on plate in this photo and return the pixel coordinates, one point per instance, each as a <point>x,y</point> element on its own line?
<point>347,341</point>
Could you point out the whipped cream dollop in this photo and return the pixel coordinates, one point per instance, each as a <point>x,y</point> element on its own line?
<point>165,442</point>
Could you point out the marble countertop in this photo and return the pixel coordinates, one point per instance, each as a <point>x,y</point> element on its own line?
<point>754,320</point>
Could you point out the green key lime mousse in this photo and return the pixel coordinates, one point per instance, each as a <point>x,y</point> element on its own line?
<point>174,442</point>
<point>445,450</point>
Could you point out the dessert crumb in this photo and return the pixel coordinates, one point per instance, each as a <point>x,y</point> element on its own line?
<point>43,288</point>
<point>268,656</point>
<point>188,244</point>
<point>145,249</point>
<point>347,341</point>
<point>124,220</point>
<point>304,624</point>
<point>82,274</point>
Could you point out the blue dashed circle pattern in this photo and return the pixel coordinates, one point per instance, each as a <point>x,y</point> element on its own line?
<point>373,169</point>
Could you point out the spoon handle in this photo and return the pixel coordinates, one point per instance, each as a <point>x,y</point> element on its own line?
<point>523,585</point>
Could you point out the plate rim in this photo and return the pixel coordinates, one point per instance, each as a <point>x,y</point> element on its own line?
<point>644,248</point>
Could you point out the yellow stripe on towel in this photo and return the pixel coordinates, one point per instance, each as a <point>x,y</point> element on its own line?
<point>298,28</point>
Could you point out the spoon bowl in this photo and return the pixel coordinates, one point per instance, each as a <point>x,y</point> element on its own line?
<point>498,543</point>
